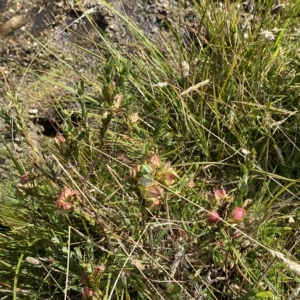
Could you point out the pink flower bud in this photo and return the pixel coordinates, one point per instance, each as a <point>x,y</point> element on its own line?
<point>60,139</point>
<point>25,178</point>
<point>213,217</point>
<point>238,214</point>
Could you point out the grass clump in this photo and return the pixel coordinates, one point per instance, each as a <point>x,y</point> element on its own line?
<point>173,177</point>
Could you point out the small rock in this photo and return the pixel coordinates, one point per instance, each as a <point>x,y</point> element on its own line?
<point>112,27</point>
<point>90,3</point>
<point>18,149</point>
<point>74,26</point>
<point>33,111</point>
<point>17,140</point>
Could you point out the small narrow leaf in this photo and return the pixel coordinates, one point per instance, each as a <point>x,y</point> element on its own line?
<point>263,295</point>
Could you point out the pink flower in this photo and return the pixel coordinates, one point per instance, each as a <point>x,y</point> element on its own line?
<point>213,217</point>
<point>166,174</point>
<point>25,178</point>
<point>60,139</point>
<point>151,192</point>
<point>152,195</point>
<point>154,162</point>
<point>99,269</point>
<point>220,194</point>
<point>87,292</point>
<point>63,205</point>
<point>238,214</point>
<point>68,194</point>
<point>169,173</point>
<point>66,198</point>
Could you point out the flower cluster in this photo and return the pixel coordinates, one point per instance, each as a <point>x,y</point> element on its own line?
<point>150,177</point>
<point>25,186</point>
<point>221,196</point>
<point>66,199</point>
<point>237,215</point>
<point>223,202</point>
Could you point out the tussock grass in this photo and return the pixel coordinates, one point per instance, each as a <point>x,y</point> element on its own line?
<point>100,214</point>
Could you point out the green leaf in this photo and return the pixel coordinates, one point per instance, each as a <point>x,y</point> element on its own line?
<point>262,295</point>
<point>147,169</point>
<point>65,249</point>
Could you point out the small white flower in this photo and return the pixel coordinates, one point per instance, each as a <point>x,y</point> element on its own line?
<point>161,84</point>
<point>185,69</point>
<point>32,260</point>
<point>267,35</point>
